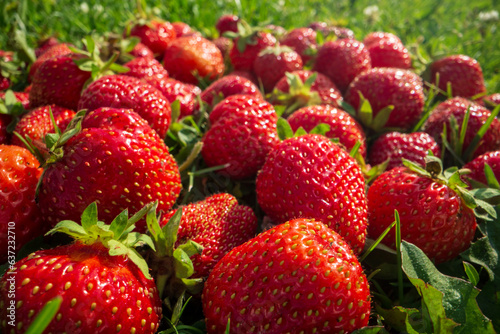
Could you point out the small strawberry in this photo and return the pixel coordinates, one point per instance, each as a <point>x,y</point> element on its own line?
<point>477,165</point>
<point>45,44</point>
<point>375,37</point>
<point>303,41</point>
<point>331,30</point>
<point>141,50</point>
<point>224,44</point>
<point>342,60</point>
<point>185,93</point>
<point>462,72</point>
<point>227,22</point>
<point>191,57</point>
<point>395,146</point>
<point>155,34</point>
<point>229,85</point>
<point>183,29</point>
<point>491,101</point>
<point>298,277</point>
<point>20,218</point>
<point>311,177</point>
<point>218,223</point>
<point>103,283</point>
<point>61,49</point>
<point>383,87</point>
<point>273,62</point>
<point>389,53</point>
<point>342,125</point>
<point>242,132</point>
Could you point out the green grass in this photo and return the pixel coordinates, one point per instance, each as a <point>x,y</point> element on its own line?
<point>433,27</point>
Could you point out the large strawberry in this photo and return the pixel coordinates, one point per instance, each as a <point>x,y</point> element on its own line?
<point>389,53</point>
<point>121,91</point>
<point>103,283</point>
<point>431,208</point>
<point>60,49</point>
<point>303,41</point>
<point>228,85</point>
<point>218,223</point>
<point>383,87</point>
<point>298,277</point>
<point>155,34</point>
<point>20,218</point>
<point>311,177</point>
<point>146,68</point>
<point>116,160</point>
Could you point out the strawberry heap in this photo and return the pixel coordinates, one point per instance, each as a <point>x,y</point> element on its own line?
<point>261,168</point>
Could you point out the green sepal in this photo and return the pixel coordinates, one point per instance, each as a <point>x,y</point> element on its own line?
<point>193,285</point>
<point>320,129</point>
<point>365,111</point>
<point>136,239</point>
<point>119,224</point>
<point>284,129</point>
<point>300,132</point>
<point>471,273</point>
<point>415,167</point>
<point>170,230</point>
<point>89,216</point>
<point>380,120</point>
<point>69,227</point>
<point>182,264</point>
<point>175,106</point>
<point>191,248</point>
<point>116,248</point>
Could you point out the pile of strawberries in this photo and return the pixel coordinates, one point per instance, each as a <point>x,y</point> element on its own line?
<point>246,171</point>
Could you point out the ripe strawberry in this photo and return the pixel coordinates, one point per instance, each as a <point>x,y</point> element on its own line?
<point>433,214</point>
<point>396,146</point>
<point>491,101</point>
<point>273,62</point>
<point>224,44</point>
<point>227,22</point>
<point>247,47</point>
<point>375,37</point>
<point>61,49</point>
<point>476,166</point>
<point>229,85</point>
<point>311,177</point>
<point>121,91</point>
<point>141,50</point>
<point>148,69</point>
<point>191,57</point>
<point>121,163</point>
<point>342,125</point>
<point>185,93</point>
<point>183,29</point>
<point>298,277</point>
<point>462,72</point>
<point>218,223</point>
<point>22,97</point>
<point>389,53</point>
<point>303,41</point>
<point>103,288</point>
<point>59,81</point>
<point>4,123</point>
<point>20,218</point>
<point>342,60</point>
<point>155,34</point>
<point>457,107</point>
<point>330,30</point>
<point>45,44</point>
<point>383,87</point>
<point>242,132</point>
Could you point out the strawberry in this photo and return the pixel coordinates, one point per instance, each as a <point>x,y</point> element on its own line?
<point>457,108</point>
<point>298,277</point>
<point>273,62</point>
<point>61,49</point>
<point>155,34</point>
<point>303,41</point>
<point>183,29</point>
<point>311,177</point>
<point>218,223</point>
<point>229,85</point>
<point>375,37</point>
<point>121,91</point>
<point>242,132</point>
<point>224,44</point>
<point>227,22</point>
<point>141,50</point>
<point>432,211</point>
<point>20,218</point>
<point>192,57</point>
<point>4,123</point>
<point>247,46</point>
<point>342,125</point>
<point>59,81</point>
<point>342,60</point>
<point>113,142</point>
<point>383,87</point>
<point>102,282</point>
<point>395,146</point>
<point>331,30</point>
<point>477,165</point>
<point>148,69</point>
<point>22,97</point>
<point>462,72</point>
<point>389,53</point>
<point>491,101</point>
<point>45,44</point>
<point>185,93</point>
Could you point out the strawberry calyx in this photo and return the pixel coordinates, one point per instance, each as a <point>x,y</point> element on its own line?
<point>118,236</point>
<point>246,35</point>
<point>366,116</point>
<point>275,50</point>
<point>11,106</point>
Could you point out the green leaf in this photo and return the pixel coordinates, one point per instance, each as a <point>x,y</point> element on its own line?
<point>472,273</point>
<point>490,177</point>
<point>119,224</point>
<point>183,265</point>
<point>371,330</point>
<point>116,248</point>
<point>45,316</point>
<point>365,112</point>
<point>89,216</point>
<point>284,129</point>
<point>170,231</point>
<point>381,118</point>
<point>434,314</point>
<point>320,129</point>
<point>136,239</point>
<point>176,111</point>
<point>71,228</point>
<point>402,319</point>
<point>191,248</point>
<point>300,132</point>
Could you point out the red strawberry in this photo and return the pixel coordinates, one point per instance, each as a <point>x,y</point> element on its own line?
<point>185,93</point>
<point>22,97</point>
<point>20,218</point>
<point>227,22</point>
<point>433,215</point>
<point>4,123</point>
<point>491,101</point>
<point>141,50</point>
<point>121,91</point>
<point>121,164</point>
<point>302,40</point>
<point>102,288</point>
<point>191,57</point>
<point>183,29</point>
<point>457,107</point>
<point>476,166</point>
<point>298,277</point>
<point>45,44</point>
<point>61,49</point>
<point>383,87</point>
<point>59,81</point>
<point>311,177</point>
<point>242,132</point>
<point>330,30</point>
<point>247,47</point>
<point>389,53</point>
<point>342,125</point>
<point>342,60</point>
<point>146,68</point>
<point>218,223</point>
<point>229,85</point>
<point>273,62</point>
<point>462,72</point>
<point>224,44</point>
<point>395,146</point>
<point>377,36</point>
<point>155,34</point>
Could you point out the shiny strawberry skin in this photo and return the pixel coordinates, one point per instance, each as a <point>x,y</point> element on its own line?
<point>188,55</point>
<point>389,53</point>
<point>311,177</point>
<point>390,86</point>
<point>19,174</point>
<point>155,35</point>
<point>457,107</point>
<point>4,134</point>
<point>61,49</point>
<point>141,50</point>
<point>301,40</point>
<point>218,223</point>
<point>397,145</point>
<point>375,37</point>
<point>100,293</point>
<point>243,61</point>
<point>299,276</point>
<point>342,125</point>
<point>270,68</point>
<point>146,68</point>
<point>342,60</point>
<point>227,22</point>
<point>121,91</point>
<point>433,216</point>
<point>185,93</point>
<point>229,85</point>
<point>463,72</point>
<point>476,166</point>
